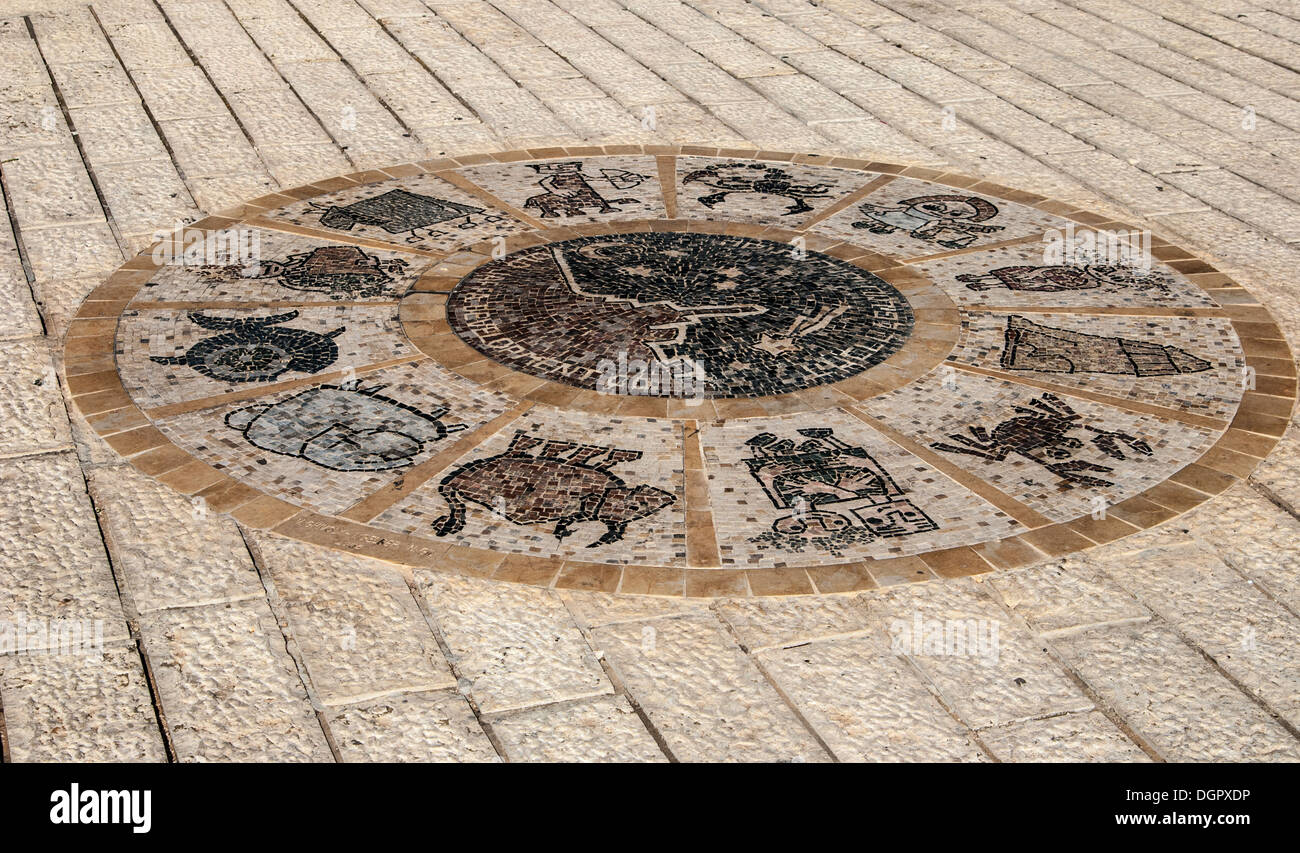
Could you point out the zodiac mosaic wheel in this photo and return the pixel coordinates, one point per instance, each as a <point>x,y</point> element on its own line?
<point>681,370</point>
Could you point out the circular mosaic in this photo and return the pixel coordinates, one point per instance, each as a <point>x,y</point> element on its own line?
<point>680,315</point>
<point>681,371</point>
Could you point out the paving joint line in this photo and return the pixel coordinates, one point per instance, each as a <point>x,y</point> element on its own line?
<point>431,622</point>
<point>342,149</point>
<point>148,111</point>
<point>271,595</point>
<point>1099,702</point>
<point>76,140</point>
<point>221,95</point>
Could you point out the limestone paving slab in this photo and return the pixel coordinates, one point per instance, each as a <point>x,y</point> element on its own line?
<point>705,697</point>
<point>515,646</point>
<point>437,726</point>
<point>231,691</point>
<point>357,623</point>
<point>79,707</point>
<point>1172,697</point>
<point>1086,736</point>
<point>604,729</point>
<point>868,703</point>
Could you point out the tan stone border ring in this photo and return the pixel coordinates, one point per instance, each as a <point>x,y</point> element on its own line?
<point>680,370</point>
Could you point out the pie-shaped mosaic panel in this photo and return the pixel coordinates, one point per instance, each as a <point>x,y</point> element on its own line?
<point>681,371</point>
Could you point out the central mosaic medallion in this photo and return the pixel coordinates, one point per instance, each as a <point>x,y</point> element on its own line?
<point>680,315</point>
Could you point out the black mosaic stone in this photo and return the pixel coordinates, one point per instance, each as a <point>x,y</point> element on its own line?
<point>755,317</point>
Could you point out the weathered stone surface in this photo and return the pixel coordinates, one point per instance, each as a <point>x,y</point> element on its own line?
<point>516,645</point>
<point>1255,639</point>
<point>993,678</point>
<point>773,622</point>
<point>76,708</point>
<point>228,686</point>
<point>588,730</point>
<point>358,625</point>
<point>593,609</point>
<point>32,416</point>
<point>1085,736</point>
<point>1172,697</point>
<point>52,561</point>
<point>868,703</point>
<point>171,550</point>
<point>1065,595</point>
<point>437,726</point>
<point>703,694</point>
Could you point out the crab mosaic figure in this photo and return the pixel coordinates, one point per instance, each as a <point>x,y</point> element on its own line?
<point>254,350</point>
<point>1055,278</point>
<point>570,193</point>
<point>402,212</point>
<point>1042,432</point>
<point>558,481</point>
<point>337,271</point>
<point>951,221</point>
<point>342,427</point>
<point>756,178</point>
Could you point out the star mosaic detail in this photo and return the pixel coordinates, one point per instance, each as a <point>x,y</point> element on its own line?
<point>677,315</point>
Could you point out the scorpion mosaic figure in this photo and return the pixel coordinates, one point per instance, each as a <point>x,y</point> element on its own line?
<point>951,221</point>
<point>1042,433</point>
<point>757,178</point>
<point>253,350</point>
<point>537,482</point>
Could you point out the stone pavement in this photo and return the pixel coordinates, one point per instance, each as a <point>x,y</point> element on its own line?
<point>222,642</point>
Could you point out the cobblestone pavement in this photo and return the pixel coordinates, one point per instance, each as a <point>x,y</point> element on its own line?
<point>221,641</point>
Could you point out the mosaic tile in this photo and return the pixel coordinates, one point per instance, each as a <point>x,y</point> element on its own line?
<point>170,356</point>
<point>563,192</point>
<point>802,422</point>
<point>680,315</point>
<point>329,445</point>
<point>786,493</point>
<point>1063,456</point>
<point>1017,276</point>
<point>283,267</point>
<point>766,192</point>
<point>423,211</point>
<point>909,218</point>
<point>560,484</point>
<point>1195,365</point>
